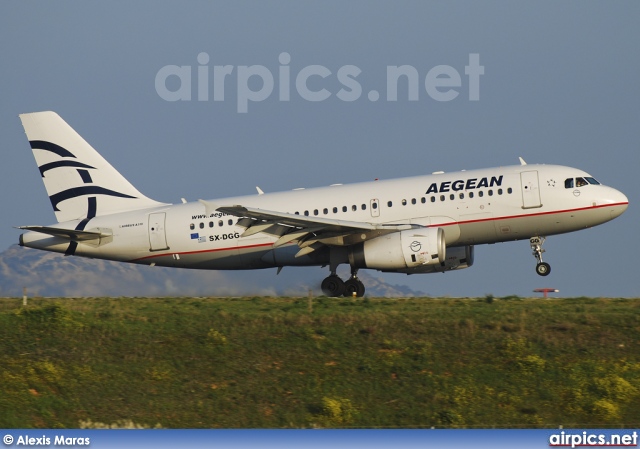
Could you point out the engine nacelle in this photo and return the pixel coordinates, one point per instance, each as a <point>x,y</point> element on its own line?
<point>457,258</point>
<point>401,250</point>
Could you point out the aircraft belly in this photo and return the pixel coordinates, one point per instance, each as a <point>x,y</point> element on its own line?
<point>215,260</point>
<point>477,228</point>
<point>286,256</point>
<point>527,226</point>
<point>236,258</point>
<point>581,219</point>
<point>201,260</point>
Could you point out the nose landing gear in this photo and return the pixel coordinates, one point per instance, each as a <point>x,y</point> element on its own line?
<point>542,268</point>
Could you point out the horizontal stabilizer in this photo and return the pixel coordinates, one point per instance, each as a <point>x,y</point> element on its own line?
<point>71,234</point>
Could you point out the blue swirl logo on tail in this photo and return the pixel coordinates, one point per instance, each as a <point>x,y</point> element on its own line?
<point>75,192</point>
<point>83,171</point>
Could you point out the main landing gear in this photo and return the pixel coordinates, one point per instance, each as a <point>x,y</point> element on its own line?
<point>334,286</point>
<point>542,268</point>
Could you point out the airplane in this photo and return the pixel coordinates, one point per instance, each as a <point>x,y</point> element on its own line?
<point>419,224</point>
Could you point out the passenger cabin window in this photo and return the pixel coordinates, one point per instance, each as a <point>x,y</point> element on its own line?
<point>335,210</point>
<point>192,226</point>
<point>344,208</point>
<point>389,203</point>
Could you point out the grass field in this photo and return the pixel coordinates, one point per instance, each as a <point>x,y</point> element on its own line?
<point>276,363</point>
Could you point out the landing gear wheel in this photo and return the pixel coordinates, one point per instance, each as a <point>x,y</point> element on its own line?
<point>354,285</point>
<point>333,286</point>
<point>543,268</point>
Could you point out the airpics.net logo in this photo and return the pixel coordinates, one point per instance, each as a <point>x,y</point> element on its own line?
<point>256,83</point>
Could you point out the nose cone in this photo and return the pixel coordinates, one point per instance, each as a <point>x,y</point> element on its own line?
<point>618,202</point>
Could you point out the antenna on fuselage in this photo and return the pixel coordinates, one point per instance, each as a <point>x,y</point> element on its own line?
<point>522,162</point>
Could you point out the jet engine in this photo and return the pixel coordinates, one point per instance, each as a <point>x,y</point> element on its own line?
<point>400,250</point>
<point>457,258</point>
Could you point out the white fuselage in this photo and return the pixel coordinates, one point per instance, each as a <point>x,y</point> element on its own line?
<point>472,207</point>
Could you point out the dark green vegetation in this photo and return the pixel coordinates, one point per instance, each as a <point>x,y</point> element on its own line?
<point>271,362</point>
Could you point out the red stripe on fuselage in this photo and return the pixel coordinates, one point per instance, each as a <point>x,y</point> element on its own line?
<point>204,251</point>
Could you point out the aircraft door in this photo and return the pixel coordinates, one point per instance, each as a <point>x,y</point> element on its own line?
<point>157,233</point>
<point>374,207</point>
<point>530,189</point>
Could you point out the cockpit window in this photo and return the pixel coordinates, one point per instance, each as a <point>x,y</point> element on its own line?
<point>592,181</point>
<point>580,182</point>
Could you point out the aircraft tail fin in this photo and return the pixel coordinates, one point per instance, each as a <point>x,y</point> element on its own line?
<point>80,183</point>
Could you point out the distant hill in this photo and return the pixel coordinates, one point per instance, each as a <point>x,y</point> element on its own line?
<point>51,274</point>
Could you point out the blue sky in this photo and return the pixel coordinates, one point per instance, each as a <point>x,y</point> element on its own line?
<point>560,86</point>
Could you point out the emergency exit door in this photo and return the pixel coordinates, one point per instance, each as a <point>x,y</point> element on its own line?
<point>374,207</point>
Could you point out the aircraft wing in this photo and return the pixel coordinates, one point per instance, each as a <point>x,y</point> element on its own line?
<point>310,232</point>
<point>306,221</point>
